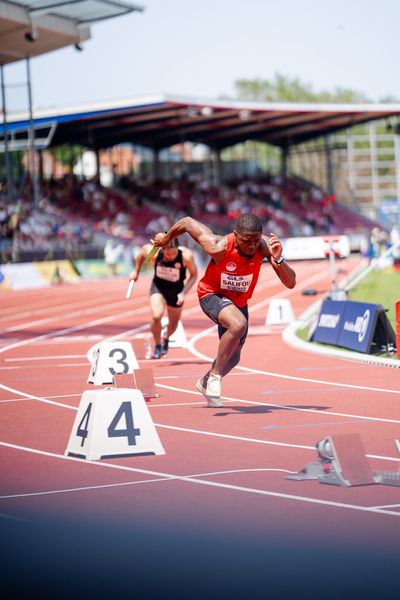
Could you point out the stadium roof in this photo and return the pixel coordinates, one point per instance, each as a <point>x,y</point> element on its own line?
<point>161,121</point>
<point>33,27</point>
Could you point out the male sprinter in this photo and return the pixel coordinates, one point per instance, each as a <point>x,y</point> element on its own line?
<point>168,287</point>
<point>227,285</point>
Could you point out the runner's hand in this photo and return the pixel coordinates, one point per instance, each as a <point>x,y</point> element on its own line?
<point>134,276</point>
<point>180,299</point>
<point>160,240</point>
<point>275,246</point>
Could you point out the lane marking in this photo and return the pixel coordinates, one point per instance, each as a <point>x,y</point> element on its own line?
<point>316,424</point>
<point>212,434</point>
<point>43,397</point>
<point>195,352</point>
<point>51,357</point>
<point>233,437</point>
<point>195,309</point>
<point>136,482</point>
<point>85,311</point>
<point>284,406</point>
<point>197,481</point>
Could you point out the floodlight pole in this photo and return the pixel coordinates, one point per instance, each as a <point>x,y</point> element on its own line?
<point>329,169</point>
<point>34,178</point>
<point>332,264</point>
<point>10,182</point>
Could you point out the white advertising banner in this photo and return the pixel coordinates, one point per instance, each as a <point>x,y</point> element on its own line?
<point>303,248</point>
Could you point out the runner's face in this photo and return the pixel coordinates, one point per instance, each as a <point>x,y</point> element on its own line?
<point>170,253</point>
<point>247,242</point>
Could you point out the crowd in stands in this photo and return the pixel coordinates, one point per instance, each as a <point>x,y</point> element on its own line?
<point>74,213</point>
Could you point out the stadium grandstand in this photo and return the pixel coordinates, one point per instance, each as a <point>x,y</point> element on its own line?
<point>144,170</point>
<point>157,183</point>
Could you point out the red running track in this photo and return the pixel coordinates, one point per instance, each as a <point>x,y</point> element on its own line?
<point>220,489</point>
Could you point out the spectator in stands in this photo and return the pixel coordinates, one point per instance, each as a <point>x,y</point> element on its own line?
<point>168,288</point>
<point>228,284</point>
<point>113,252</point>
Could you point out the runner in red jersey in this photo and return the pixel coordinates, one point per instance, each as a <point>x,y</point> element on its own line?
<point>228,284</point>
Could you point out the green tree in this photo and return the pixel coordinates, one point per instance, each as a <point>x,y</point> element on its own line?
<point>286,89</point>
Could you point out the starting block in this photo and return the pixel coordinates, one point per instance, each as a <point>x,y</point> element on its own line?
<point>109,358</point>
<point>113,423</point>
<point>342,462</point>
<point>141,379</point>
<point>178,338</point>
<point>280,312</point>
<point>144,379</point>
<point>389,477</point>
<point>139,348</point>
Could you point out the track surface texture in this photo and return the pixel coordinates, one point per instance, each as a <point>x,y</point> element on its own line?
<point>215,515</point>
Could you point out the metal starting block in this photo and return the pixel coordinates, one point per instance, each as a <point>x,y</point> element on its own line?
<point>389,477</point>
<point>342,462</point>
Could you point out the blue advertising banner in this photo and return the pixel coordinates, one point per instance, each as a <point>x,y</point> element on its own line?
<point>329,322</point>
<point>358,326</point>
<point>347,324</point>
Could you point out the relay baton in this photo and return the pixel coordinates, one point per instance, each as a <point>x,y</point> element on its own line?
<point>129,290</point>
<point>152,253</point>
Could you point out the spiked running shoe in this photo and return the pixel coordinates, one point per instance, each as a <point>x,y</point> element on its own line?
<point>164,347</point>
<point>157,352</point>
<point>211,394</point>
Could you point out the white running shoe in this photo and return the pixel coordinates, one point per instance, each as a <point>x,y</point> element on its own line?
<point>214,386</point>
<point>213,401</point>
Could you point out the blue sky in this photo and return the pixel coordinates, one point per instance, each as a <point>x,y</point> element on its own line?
<point>201,47</point>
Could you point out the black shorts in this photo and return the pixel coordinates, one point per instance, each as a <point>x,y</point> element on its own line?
<point>170,297</point>
<point>212,304</point>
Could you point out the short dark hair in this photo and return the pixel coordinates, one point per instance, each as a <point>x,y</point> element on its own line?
<point>248,222</point>
<point>173,243</point>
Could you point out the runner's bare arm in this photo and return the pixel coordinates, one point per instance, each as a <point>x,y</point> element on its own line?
<point>214,245</point>
<point>272,248</point>
<point>134,275</point>
<point>188,261</point>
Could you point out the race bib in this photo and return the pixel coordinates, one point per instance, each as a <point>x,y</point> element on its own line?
<point>236,283</point>
<point>168,273</point>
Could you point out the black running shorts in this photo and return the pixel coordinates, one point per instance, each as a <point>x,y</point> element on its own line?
<point>212,304</point>
<point>169,297</point>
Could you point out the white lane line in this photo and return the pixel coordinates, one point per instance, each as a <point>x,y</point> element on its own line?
<point>212,434</point>
<point>258,441</point>
<point>60,308</point>
<point>209,433</point>
<point>43,397</point>
<point>48,366</point>
<point>195,352</point>
<point>284,406</point>
<point>85,311</point>
<point>84,488</point>
<point>128,483</point>
<point>88,324</point>
<point>239,438</point>
<point>214,484</point>
<point>198,336</point>
<point>387,506</point>
<point>52,357</point>
<point>181,390</point>
<point>32,397</point>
